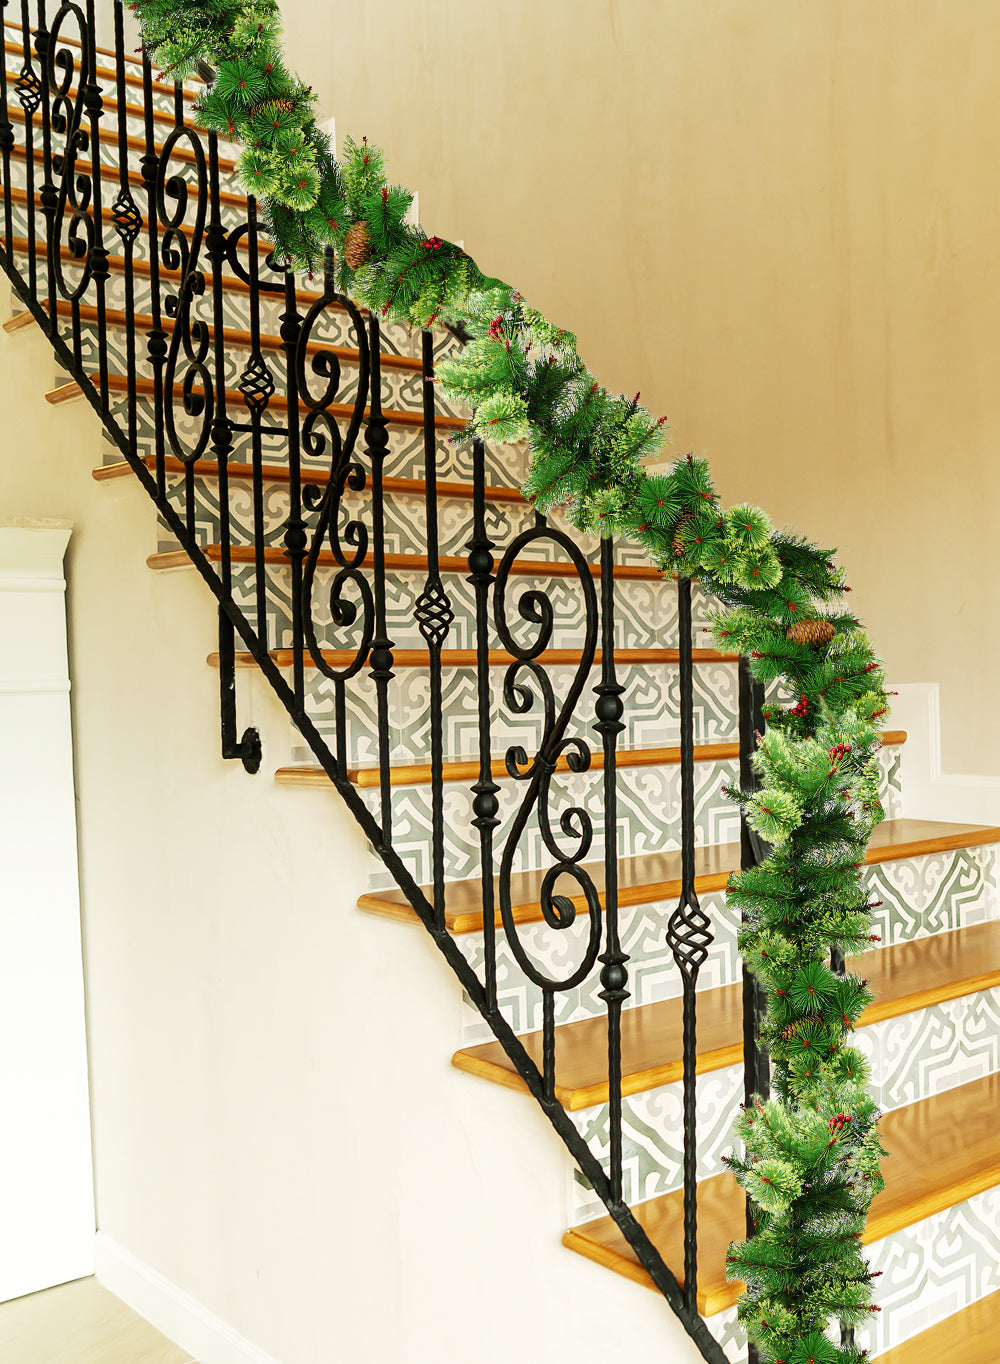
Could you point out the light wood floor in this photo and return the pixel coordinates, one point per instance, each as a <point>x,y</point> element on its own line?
<point>80,1323</point>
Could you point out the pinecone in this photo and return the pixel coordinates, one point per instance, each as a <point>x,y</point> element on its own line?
<point>679,543</point>
<point>357,245</point>
<point>813,632</point>
<point>270,108</point>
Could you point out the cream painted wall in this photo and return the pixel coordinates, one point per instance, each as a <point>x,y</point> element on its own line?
<point>779,220</point>
<point>288,1169</point>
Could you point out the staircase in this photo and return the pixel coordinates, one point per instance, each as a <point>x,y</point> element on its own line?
<point>494,696</point>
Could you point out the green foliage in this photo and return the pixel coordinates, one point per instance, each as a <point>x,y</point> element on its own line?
<point>811,1153</point>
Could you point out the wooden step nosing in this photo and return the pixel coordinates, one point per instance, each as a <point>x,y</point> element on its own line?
<point>146,388</point>
<point>639,1080</point>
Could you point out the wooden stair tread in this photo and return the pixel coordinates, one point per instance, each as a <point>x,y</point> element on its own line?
<point>942,1151</point>
<point>118,383</point>
<point>657,876</point>
<point>966,1337</point>
<point>539,568</point>
<point>908,976</point>
<point>467,769</point>
<point>278,473</point>
<point>232,336</point>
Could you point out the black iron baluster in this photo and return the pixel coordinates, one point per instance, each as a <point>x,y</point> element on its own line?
<point>29,94</point>
<point>485,806</point>
<point>247,750</point>
<point>434,617</point>
<point>296,539</point>
<point>257,386</point>
<point>380,658</point>
<point>156,341</point>
<point>47,196</point>
<point>127,222</point>
<point>756,1068</point>
<point>614,973</point>
<point>93,104</point>
<point>689,938</point>
<point>6,147</point>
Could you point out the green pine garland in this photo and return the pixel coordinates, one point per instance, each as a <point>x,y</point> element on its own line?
<point>811,1152</point>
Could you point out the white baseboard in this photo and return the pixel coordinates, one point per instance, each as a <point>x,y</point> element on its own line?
<point>929,793</point>
<point>180,1317</point>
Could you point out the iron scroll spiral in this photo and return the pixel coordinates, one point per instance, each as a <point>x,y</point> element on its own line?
<point>191,338</point>
<point>67,80</point>
<point>351,599</point>
<point>575,823</point>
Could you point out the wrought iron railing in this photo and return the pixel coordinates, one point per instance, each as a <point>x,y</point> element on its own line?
<point>115,220</point>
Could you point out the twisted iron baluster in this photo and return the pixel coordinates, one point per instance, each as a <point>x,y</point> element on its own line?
<point>614,972</point>
<point>293,340</point>
<point>47,196</point>
<point>256,383</point>
<point>756,1070</point>
<point>98,258</point>
<point>380,658</point>
<point>6,147</point>
<point>485,806</point>
<point>689,936</point>
<point>127,221</point>
<point>29,94</point>
<point>156,339</point>
<point>434,617</point>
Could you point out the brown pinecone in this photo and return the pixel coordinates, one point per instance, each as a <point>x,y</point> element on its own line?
<point>812,632</point>
<point>357,245</point>
<point>271,107</point>
<point>679,543</point>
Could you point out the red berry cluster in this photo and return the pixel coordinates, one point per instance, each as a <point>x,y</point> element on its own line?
<point>803,707</point>
<point>432,244</point>
<point>496,328</point>
<point>837,752</point>
<point>838,1123</point>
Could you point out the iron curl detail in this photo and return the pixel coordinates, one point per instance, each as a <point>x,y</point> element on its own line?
<point>180,252</point>
<point>67,79</point>
<point>559,911</point>
<point>351,600</point>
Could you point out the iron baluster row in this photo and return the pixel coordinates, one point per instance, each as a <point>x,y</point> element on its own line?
<point>7,143</point>
<point>321,471</point>
<point>29,96</point>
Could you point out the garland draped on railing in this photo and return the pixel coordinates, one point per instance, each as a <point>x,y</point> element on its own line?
<point>811,1152</point>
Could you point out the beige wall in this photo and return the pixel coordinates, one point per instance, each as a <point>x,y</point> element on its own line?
<point>780,220</point>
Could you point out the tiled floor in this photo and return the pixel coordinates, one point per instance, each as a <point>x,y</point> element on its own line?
<point>80,1323</point>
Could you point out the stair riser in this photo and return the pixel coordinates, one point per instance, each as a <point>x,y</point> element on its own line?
<point>929,1271</point>
<point>651,717</point>
<point>913,1057</point>
<point>921,895</point>
<point>648,817</point>
<point>644,609</point>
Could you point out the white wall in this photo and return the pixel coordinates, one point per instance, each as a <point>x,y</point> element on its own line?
<point>279,1134</point>
<point>46,1178</point>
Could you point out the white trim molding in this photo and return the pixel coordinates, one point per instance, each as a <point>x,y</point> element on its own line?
<point>179,1316</point>
<point>928,792</point>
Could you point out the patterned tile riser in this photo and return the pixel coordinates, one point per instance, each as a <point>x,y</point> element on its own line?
<point>648,815</point>
<point>930,1271</point>
<point>913,1057</point>
<point>921,895</point>
<point>650,717</point>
